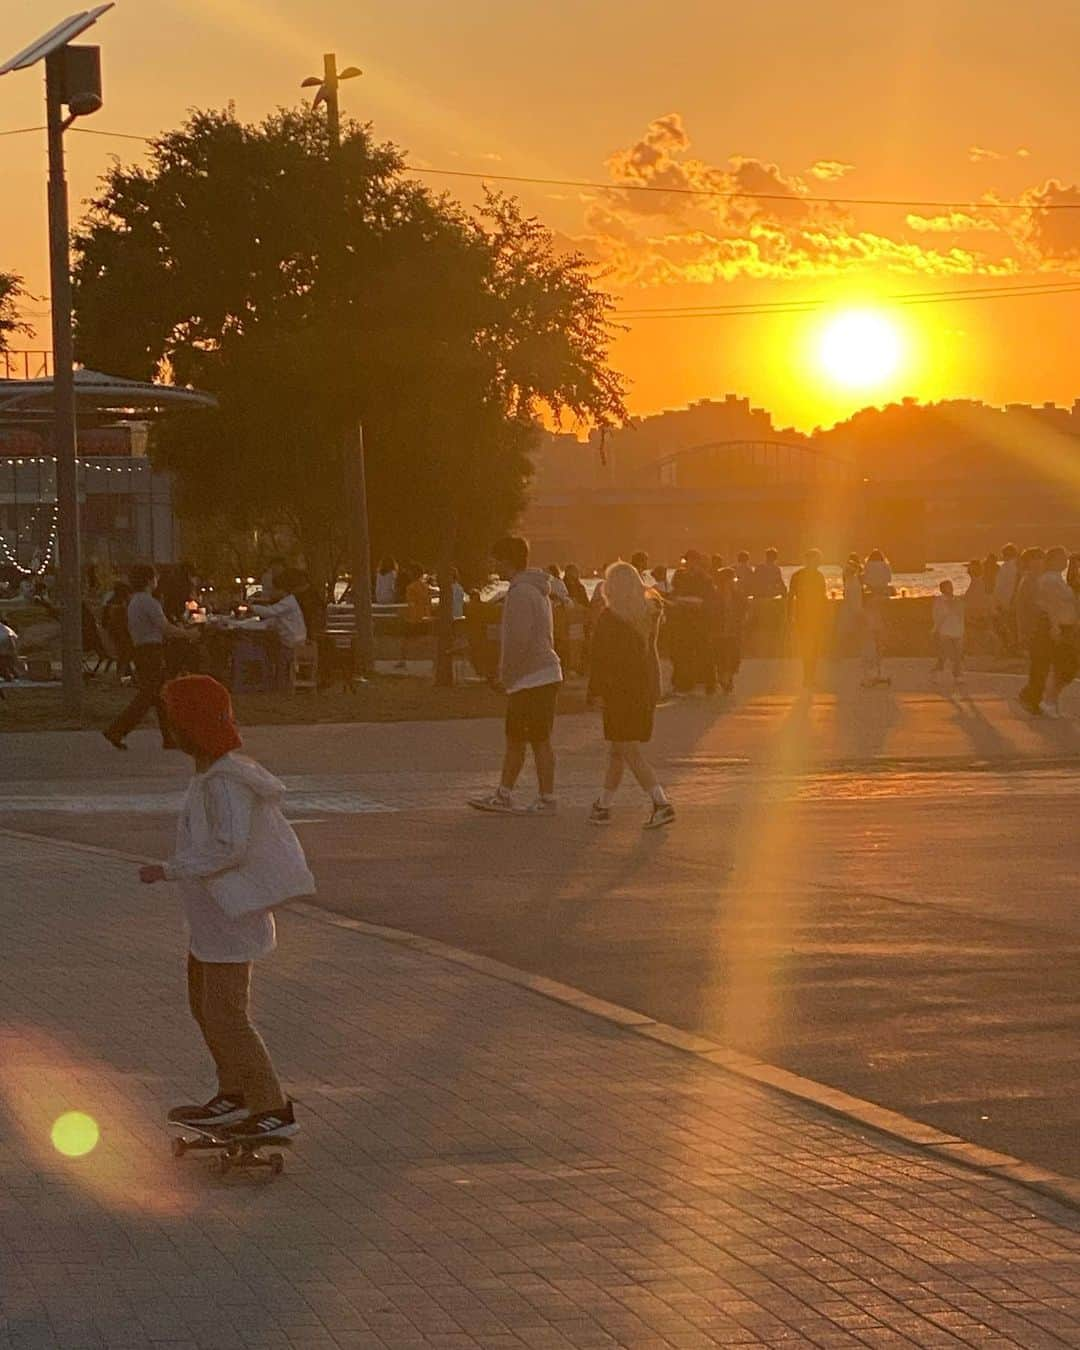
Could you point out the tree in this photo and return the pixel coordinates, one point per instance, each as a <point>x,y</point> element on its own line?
<point>309,291</point>
<point>11,293</point>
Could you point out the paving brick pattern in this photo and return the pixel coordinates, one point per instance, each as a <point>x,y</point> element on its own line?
<point>479,1167</point>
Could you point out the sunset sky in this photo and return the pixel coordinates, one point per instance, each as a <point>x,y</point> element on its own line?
<point>952,100</point>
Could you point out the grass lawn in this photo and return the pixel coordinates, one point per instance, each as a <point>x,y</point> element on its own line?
<point>385,699</point>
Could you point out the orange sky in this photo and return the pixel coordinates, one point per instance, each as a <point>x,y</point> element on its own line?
<point>944,99</point>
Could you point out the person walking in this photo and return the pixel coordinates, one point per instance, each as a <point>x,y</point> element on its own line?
<point>530,674</point>
<point>948,627</point>
<point>625,675</point>
<point>1005,581</point>
<point>236,858</point>
<point>769,579</point>
<point>729,621</point>
<point>1025,613</point>
<point>977,607</point>
<point>575,587</point>
<point>744,573</point>
<point>693,613</point>
<point>148,629</point>
<point>560,592</point>
<point>808,601</point>
<point>850,620</point>
<point>1054,655</point>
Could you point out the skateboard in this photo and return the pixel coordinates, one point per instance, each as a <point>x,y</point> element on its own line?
<point>241,1154</point>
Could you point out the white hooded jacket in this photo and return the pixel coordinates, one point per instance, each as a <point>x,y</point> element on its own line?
<point>236,857</point>
<point>528,658</point>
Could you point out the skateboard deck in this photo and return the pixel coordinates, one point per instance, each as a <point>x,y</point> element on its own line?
<point>232,1153</point>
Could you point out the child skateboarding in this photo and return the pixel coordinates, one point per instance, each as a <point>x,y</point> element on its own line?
<point>236,858</point>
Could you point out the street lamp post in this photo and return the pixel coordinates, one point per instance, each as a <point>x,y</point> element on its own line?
<point>356,478</point>
<point>72,79</point>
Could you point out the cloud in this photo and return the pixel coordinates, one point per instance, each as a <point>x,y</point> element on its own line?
<point>829,170</point>
<point>952,222</point>
<point>748,217</point>
<point>1049,230</point>
<point>979,154</point>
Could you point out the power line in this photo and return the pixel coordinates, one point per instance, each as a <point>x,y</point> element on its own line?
<point>732,195</point>
<point>727,194</point>
<point>1020,291</point>
<point>117,135</point>
<point>810,307</point>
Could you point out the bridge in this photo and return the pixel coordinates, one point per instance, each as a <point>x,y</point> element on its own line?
<point>726,464</point>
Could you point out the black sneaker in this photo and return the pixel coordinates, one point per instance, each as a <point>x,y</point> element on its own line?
<point>277,1124</point>
<point>224,1109</point>
<point>600,815</point>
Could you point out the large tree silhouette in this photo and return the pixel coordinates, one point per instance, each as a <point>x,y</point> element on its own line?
<point>309,291</point>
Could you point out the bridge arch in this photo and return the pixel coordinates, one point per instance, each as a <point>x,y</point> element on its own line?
<point>750,463</point>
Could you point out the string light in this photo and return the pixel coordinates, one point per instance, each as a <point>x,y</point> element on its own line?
<point>50,547</point>
<point>18,461</point>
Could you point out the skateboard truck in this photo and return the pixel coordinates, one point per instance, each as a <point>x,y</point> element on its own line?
<point>242,1154</point>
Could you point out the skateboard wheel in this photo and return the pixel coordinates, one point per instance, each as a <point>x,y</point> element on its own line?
<point>277,1164</point>
<point>224,1163</point>
<point>179,1148</point>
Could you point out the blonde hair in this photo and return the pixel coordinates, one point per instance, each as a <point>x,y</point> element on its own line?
<point>625,594</point>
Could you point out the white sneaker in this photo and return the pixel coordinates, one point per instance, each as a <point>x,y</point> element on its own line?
<point>663,813</point>
<point>497,803</point>
<point>1050,710</point>
<point>543,806</point>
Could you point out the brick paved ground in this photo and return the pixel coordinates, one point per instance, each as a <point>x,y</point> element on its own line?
<point>479,1168</point>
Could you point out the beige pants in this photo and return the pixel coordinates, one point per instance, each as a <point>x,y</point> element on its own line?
<point>218,995</point>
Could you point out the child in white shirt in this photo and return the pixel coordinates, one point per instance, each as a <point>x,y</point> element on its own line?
<point>949,632</point>
<point>236,857</point>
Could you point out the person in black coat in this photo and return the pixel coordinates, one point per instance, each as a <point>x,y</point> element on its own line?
<point>625,675</point>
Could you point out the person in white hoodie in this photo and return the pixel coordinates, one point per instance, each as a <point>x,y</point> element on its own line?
<point>236,858</point>
<point>530,673</point>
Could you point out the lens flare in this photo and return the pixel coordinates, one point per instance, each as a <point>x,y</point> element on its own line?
<point>75,1134</point>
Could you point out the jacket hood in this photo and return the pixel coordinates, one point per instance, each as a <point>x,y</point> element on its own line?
<point>535,577</point>
<point>244,770</point>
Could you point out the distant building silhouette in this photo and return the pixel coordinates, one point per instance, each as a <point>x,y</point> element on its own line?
<point>942,480</point>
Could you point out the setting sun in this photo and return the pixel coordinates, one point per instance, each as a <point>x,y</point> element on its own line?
<point>860,349</point>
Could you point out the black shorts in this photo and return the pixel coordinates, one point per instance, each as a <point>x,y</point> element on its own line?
<point>530,714</point>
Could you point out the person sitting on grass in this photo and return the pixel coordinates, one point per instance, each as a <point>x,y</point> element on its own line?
<point>236,858</point>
